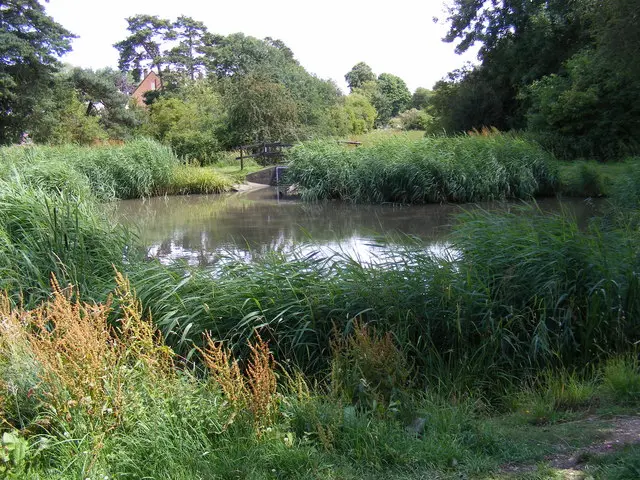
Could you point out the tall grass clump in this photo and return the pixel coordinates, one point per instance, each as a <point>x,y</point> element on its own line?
<point>555,293</point>
<point>139,168</point>
<point>187,179</point>
<point>434,169</point>
<point>524,292</point>
<point>44,234</point>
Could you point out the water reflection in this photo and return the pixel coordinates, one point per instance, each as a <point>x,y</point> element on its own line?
<point>204,229</point>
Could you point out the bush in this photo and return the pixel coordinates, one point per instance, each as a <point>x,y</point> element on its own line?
<point>415,120</point>
<point>201,147</point>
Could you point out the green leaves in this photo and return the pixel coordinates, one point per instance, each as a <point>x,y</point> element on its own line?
<point>13,451</point>
<point>30,41</point>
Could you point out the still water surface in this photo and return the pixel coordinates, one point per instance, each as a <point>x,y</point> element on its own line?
<point>202,229</point>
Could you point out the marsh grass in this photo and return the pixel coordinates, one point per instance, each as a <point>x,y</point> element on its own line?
<point>430,170</point>
<point>140,168</point>
<point>527,291</point>
<point>44,234</point>
<point>188,179</point>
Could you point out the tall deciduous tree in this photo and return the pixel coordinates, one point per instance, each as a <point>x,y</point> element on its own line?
<point>30,42</point>
<point>395,91</point>
<point>360,74</point>
<point>420,98</point>
<point>259,109</point>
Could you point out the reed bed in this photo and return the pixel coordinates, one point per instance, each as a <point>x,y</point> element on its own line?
<point>188,179</point>
<point>140,168</point>
<point>431,170</point>
<point>524,292</point>
<point>44,234</point>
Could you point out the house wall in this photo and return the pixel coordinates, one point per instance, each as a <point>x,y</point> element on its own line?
<point>150,82</point>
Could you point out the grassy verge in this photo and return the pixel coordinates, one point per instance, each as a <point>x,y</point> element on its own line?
<point>434,169</point>
<point>94,393</point>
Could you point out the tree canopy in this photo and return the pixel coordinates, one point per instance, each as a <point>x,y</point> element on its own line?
<point>30,42</point>
<point>565,70</point>
<point>360,74</point>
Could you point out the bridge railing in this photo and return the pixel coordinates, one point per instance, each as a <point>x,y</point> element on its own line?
<point>265,153</point>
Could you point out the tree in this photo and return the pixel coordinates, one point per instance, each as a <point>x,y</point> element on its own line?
<point>239,54</point>
<point>186,57</point>
<point>360,112</point>
<point>189,121</point>
<point>465,100</point>
<point>258,109</point>
<point>143,47</point>
<point>61,116</point>
<point>360,74</point>
<point>591,107</point>
<point>521,42</point>
<point>420,98</point>
<point>100,92</point>
<point>30,42</point>
<point>395,91</point>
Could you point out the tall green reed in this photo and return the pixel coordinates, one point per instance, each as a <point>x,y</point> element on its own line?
<point>140,168</point>
<point>44,234</point>
<point>524,291</point>
<point>434,169</point>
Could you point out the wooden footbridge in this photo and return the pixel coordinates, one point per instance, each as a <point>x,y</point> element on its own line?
<point>272,156</point>
<point>265,153</point>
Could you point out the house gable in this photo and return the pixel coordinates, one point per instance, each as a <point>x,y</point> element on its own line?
<point>149,83</point>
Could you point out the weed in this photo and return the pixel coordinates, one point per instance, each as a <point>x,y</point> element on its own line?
<point>621,379</point>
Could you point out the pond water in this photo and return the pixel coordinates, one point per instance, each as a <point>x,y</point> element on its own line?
<point>203,229</point>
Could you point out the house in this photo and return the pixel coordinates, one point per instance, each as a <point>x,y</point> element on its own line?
<point>151,81</point>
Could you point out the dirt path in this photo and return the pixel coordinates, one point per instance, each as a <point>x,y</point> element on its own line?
<point>248,187</point>
<point>624,430</point>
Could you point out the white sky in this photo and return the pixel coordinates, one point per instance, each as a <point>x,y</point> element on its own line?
<point>327,37</point>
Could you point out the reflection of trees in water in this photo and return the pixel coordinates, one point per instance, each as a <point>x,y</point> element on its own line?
<point>201,228</point>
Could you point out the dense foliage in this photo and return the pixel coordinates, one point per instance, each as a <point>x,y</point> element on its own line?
<point>434,169</point>
<point>30,41</point>
<point>566,71</point>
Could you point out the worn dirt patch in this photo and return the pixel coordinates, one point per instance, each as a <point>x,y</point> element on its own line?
<point>624,430</point>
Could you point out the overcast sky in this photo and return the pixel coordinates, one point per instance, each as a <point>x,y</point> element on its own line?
<point>327,37</point>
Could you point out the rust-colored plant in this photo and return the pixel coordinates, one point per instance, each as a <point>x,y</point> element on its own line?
<point>261,380</point>
<point>256,389</point>
<point>81,365</point>
<point>225,372</point>
<point>367,367</point>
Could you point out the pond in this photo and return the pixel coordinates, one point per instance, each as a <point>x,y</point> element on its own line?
<point>202,229</point>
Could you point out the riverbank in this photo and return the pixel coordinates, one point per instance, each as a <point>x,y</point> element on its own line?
<point>100,396</point>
